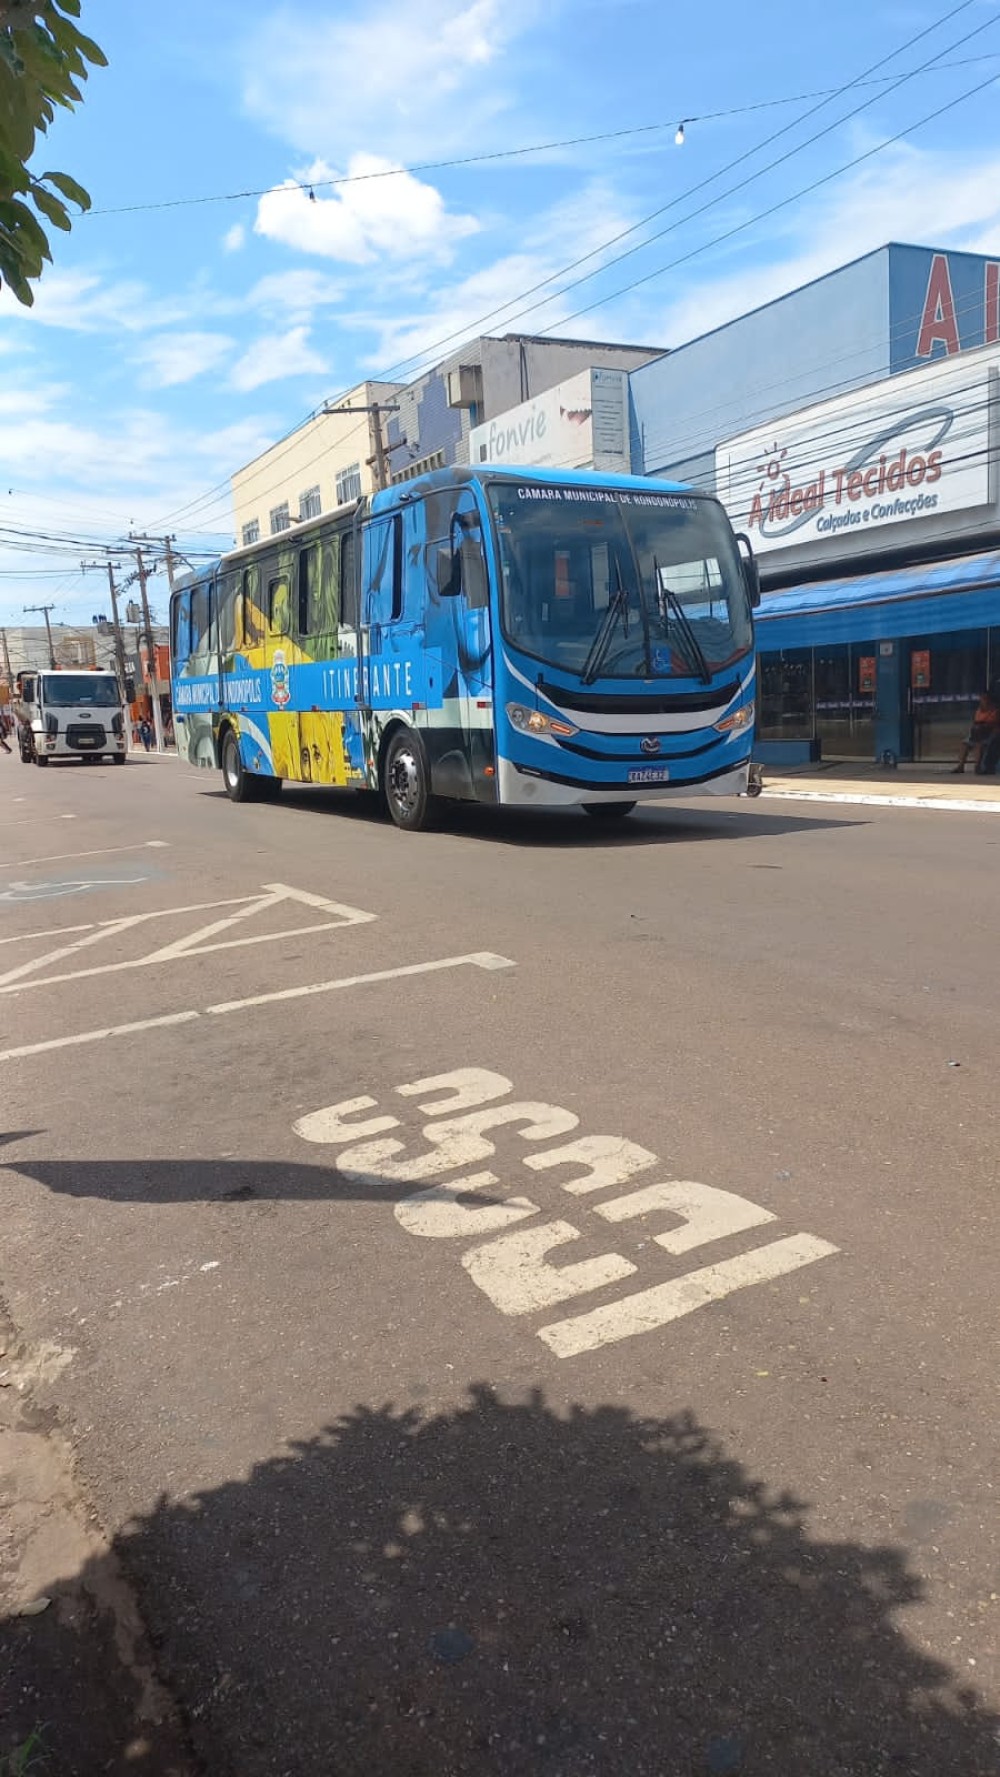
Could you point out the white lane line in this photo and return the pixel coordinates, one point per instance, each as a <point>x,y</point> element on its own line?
<point>64,857</point>
<point>34,820</point>
<point>963,805</point>
<point>275,894</point>
<point>648,1309</point>
<point>95,1036</point>
<point>477,959</point>
<point>105,924</point>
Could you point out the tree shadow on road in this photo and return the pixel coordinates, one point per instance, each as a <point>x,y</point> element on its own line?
<point>506,1590</point>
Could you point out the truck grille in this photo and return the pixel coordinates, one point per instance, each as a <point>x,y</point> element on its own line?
<point>86,737</point>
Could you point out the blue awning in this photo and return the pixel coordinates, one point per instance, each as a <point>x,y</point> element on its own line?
<point>960,593</point>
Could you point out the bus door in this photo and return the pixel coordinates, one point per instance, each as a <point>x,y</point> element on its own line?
<point>457,627</point>
<point>390,639</point>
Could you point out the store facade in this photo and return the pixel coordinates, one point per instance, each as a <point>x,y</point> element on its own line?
<point>864,471</point>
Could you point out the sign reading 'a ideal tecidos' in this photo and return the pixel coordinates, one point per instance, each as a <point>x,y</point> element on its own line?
<point>911,449</point>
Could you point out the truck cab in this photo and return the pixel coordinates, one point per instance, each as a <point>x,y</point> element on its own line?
<point>73,714</point>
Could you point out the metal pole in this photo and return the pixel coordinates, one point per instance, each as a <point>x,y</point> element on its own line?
<point>119,638</point>
<point>6,656</point>
<point>150,653</point>
<point>45,609</point>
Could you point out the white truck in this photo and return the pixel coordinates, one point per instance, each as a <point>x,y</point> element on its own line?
<point>73,714</point>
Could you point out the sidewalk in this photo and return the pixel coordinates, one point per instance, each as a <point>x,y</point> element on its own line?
<point>928,785</point>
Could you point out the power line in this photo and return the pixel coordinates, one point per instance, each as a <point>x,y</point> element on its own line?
<point>596,252</point>
<point>310,186</point>
<point>206,500</point>
<point>763,215</point>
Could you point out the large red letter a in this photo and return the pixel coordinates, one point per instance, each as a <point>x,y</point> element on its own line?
<point>938,324</point>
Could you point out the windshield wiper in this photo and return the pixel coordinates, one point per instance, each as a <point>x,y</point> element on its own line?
<point>617,607</point>
<point>665,594</point>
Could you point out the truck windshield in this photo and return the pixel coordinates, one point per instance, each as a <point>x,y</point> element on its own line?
<point>82,690</point>
<point>667,563</point>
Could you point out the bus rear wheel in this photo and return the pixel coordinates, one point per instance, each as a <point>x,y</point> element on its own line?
<point>608,811</point>
<point>405,782</point>
<point>240,786</point>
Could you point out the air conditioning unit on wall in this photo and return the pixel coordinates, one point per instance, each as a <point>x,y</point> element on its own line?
<point>465,386</point>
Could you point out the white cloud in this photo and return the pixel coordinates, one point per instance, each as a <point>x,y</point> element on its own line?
<point>275,357</point>
<point>294,295</point>
<point>82,302</point>
<point>234,238</point>
<point>397,216</point>
<point>169,359</point>
<point>393,75</point>
<point>492,298</point>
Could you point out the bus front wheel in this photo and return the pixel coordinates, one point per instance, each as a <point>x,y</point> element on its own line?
<point>608,811</point>
<point>240,786</point>
<point>406,782</point>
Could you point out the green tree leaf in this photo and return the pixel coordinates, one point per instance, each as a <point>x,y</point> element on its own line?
<point>44,58</point>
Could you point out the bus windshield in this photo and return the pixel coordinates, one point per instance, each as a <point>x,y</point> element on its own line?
<point>81,690</point>
<point>619,583</point>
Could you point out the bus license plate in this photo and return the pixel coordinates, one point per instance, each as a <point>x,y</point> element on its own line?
<point>650,774</point>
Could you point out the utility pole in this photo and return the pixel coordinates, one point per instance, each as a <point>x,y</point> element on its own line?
<point>116,620</point>
<point>6,657</point>
<point>150,652</point>
<point>170,555</point>
<point>45,609</point>
<point>375,410</point>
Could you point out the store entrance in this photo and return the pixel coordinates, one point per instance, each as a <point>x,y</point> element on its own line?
<point>845,699</point>
<point>947,676</point>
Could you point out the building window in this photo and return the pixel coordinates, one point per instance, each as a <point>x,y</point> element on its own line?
<point>251,533</point>
<point>348,485</point>
<point>421,466</point>
<point>280,520</point>
<point>310,505</point>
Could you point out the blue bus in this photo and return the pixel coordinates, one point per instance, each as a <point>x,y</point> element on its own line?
<point>526,638</point>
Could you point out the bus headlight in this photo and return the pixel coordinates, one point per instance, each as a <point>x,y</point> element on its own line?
<point>739,719</point>
<point>534,722</point>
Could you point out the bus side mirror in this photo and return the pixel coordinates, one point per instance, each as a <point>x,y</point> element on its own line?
<point>473,574</point>
<point>449,581</point>
<point>751,572</point>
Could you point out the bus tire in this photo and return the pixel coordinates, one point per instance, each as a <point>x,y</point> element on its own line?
<point>608,811</point>
<point>405,781</point>
<point>239,785</point>
<point>269,788</point>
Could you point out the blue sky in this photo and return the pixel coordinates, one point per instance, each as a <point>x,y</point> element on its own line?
<point>168,346</point>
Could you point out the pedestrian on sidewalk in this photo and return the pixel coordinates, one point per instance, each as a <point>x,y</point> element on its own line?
<point>985,724</point>
<point>146,733</point>
<point>4,730</point>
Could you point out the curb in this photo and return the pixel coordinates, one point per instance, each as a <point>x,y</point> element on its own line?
<point>871,799</point>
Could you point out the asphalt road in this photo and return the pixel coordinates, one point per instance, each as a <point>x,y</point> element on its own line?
<point>523,1296</point>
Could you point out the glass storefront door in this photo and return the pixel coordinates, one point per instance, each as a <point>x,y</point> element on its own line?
<point>947,676</point>
<point>845,699</point>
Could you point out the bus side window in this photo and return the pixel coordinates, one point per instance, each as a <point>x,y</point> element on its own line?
<point>180,628</point>
<point>384,569</point>
<point>278,606</point>
<point>348,582</point>
<point>228,590</point>
<point>317,600</point>
<point>249,596</point>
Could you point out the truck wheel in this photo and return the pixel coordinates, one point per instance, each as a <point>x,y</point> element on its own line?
<point>240,786</point>
<point>405,782</point>
<point>608,811</point>
<point>119,758</point>
<point>41,758</point>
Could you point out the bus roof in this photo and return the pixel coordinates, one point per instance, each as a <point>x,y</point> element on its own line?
<point>458,475</point>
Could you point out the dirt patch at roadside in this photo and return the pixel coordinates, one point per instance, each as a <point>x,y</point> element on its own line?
<point>77,1674</point>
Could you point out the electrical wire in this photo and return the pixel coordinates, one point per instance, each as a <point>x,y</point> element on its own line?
<point>471,160</point>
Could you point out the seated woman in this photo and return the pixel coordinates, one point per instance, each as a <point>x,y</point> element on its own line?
<point>985,724</point>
